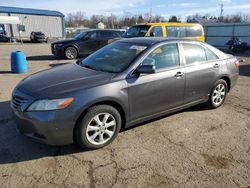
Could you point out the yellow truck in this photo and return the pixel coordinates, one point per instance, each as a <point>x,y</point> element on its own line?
<point>171,29</point>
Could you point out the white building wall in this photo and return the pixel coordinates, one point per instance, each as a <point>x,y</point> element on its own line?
<point>51,26</point>
<point>6,26</point>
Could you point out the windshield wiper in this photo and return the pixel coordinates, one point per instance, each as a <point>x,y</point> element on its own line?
<point>89,67</point>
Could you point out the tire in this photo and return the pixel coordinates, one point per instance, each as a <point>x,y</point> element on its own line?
<point>70,53</point>
<point>218,94</point>
<point>93,135</point>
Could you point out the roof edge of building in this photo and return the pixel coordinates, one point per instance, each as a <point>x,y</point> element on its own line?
<point>18,10</point>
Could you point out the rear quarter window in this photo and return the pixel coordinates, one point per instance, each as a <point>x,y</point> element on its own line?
<point>211,55</point>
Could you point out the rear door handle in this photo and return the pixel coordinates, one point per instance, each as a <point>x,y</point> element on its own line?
<point>216,66</point>
<point>179,74</point>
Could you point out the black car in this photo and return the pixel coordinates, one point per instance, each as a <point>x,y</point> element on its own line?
<point>38,37</point>
<point>4,38</point>
<point>83,44</point>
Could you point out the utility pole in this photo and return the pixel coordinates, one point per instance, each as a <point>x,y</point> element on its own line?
<point>112,21</point>
<point>150,15</point>
<point>221,11</point>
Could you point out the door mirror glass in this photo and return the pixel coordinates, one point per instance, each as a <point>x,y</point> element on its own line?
<point>146,69</point>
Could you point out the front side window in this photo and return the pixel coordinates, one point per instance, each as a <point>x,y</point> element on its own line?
<point>93,35</point>
<point>82,35</point>
<point>156,31</point>
<point>136,31</point>
<point>194,53</point>
<point>165,56</point>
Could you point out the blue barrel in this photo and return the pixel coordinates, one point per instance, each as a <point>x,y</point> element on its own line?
<point>18,62</point>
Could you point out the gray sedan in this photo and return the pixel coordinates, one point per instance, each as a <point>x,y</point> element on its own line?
<point>125,83</point>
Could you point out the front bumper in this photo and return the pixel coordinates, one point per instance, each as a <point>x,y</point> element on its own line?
<point>42,39</point>
<point>49,127</point>
<point>56,51</point>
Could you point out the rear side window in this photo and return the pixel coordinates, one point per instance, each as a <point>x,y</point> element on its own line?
<point>194,53</point>
<point>93,35</point>
<point>108,34</point>
<point>211,55</point>
<point>176,31</point>
<point>156,31</point>
<point>184,31</point>
<point>193,31</point>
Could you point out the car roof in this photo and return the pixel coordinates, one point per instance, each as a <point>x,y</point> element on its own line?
<point>169,24</point>
<point>148,41</point>
<point>102,30</point>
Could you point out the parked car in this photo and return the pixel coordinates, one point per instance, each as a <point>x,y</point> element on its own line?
<point>178,30</point>
<point>83,44</point>
<point>4,38</point>
<point>38,37</point>
<point>125,83</point>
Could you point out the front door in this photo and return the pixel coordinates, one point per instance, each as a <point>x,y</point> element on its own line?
<point>89,44</point>
<point>153,93</point>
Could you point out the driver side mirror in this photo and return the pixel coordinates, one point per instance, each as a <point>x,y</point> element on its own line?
<point>146,69</point>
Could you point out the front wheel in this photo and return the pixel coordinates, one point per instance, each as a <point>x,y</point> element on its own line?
<point>70,53</point>
<point>98,127</point>
<point>218,94</point>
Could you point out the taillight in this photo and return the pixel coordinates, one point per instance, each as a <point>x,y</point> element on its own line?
<point>237,63</point>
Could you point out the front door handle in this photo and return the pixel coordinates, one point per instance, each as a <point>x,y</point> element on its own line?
<point>179,74</point>
<point>216,66</point>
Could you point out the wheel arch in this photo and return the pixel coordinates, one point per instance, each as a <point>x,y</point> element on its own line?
<point>228,81</point>
<point>112,103</point>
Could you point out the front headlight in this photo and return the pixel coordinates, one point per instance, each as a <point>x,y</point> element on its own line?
<point>54,104</point>
<point>58,45</point>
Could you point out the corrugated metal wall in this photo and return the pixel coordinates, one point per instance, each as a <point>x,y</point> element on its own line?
<point>6,26</point>
<point>219,34</point>
<point>51,26</point>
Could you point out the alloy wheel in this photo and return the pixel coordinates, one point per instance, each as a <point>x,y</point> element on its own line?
<point>101,128</point>
<point>219,94</point>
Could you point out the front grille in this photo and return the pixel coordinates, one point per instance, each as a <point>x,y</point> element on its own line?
<point>17,101</point>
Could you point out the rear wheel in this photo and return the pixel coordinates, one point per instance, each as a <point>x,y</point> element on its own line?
<point>98,127</point>
<point>71,53</point>
<point>218,94</point>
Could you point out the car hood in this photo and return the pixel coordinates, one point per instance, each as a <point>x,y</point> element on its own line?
<point>64,41</point>
<point>61,80</point>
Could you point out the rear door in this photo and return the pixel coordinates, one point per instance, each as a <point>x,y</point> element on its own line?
<point>202,68</point>
<point>154,93</point>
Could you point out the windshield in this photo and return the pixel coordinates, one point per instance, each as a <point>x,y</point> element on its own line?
<point>81,35</point>
<point>136,31</point>
<point>38,33</point>
<point>114,58</point>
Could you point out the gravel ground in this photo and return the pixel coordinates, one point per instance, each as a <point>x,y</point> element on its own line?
<point>193,148</point>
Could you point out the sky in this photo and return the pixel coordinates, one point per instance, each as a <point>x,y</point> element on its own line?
<point>165,8</point>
